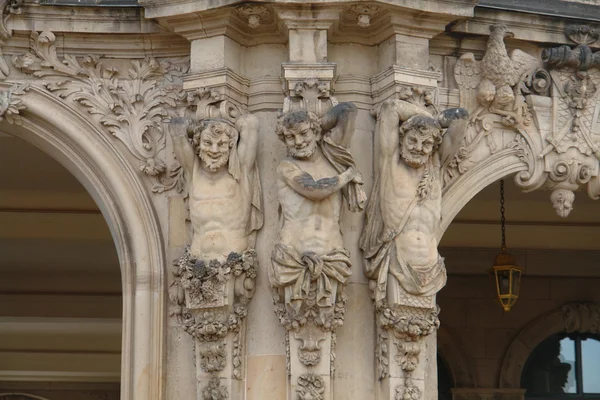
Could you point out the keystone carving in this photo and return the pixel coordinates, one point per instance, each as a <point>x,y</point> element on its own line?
<point>492,90</point>
<point>214,278</point>
<point>399,237</point>
<point>132,107</point>
<point>582,317</point>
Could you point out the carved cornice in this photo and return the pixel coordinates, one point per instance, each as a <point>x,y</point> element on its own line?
<point>170,8</point>
<point>424,19</point>
<point>541,29</point>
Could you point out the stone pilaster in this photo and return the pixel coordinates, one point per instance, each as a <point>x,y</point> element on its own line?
<point>308,80</point>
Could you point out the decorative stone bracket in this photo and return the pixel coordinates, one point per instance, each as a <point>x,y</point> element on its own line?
<point>543,112</point>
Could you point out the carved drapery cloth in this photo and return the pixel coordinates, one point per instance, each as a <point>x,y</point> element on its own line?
<point>294,272</point>
<point>341,159</point>
<point>383,258</point>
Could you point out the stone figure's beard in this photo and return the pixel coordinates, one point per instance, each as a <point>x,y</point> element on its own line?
<point>304,152</point>
<point>415,159</point>
<point>214,163</point>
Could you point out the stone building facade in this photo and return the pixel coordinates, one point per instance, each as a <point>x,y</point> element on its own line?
<point>302,196</point>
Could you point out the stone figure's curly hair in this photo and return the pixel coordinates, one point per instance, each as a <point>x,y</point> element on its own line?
<point>291,119</point>
<point>215,127</point>
<point>424,125</point>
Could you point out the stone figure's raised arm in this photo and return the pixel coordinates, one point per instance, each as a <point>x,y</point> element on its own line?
<point>305,185</point>
<point>338,123</point>
<point>178,128</point>
<point>391,114</point>
<point>455,119</point>
<point>247,126</point>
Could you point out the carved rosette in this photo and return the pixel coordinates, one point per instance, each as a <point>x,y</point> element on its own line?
<point>131,106</point>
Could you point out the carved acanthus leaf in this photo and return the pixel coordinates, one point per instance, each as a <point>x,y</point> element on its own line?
<point>132,107</point>
<point>11,105</point>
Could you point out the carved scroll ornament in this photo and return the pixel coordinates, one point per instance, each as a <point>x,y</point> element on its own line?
<point>550,107</point>
<point>132,106</point>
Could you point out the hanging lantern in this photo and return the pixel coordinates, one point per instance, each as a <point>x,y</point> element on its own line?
<point>506,270</point>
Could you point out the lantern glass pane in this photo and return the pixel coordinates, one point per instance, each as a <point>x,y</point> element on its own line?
<point>503,282</point>
<point>516,281</point>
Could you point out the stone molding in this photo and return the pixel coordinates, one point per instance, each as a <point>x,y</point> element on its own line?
<point>91,155</point>
<point>571,317</point>
<point>541,29</point>
<point>195,20</point>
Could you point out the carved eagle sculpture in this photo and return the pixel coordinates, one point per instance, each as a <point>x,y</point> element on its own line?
<point>481,82</point>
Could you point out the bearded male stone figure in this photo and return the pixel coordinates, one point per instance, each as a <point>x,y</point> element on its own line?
<point>214,277</point>
<point>222,179</point>
<point>399,239</point>
<point>310,183</point>
<point>309,265</point>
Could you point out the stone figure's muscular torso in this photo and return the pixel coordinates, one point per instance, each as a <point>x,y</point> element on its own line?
<point>416,242</point>
<point>219,213</point>
<point>309,224</point>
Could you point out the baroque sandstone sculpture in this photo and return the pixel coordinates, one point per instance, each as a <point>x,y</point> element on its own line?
<point>310,266</point>
<point>399,239</point>
<point>214,278</point>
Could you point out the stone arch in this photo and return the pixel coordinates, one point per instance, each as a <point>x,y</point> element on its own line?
<point>572,317</point>
<point>498,165</point>
<point>114,184</point>
<point>456,357</point>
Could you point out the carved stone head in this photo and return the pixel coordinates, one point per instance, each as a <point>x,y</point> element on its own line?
<point>213,140</point>
<point>301,132</point>
<point>562,201</point>
<point>420,136</point>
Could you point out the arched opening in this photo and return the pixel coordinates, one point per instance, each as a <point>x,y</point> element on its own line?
<point>559,256</point>
<point>563,366</point>
<point>445,381</point>
<point>60,292</point>
<point>114,184</point>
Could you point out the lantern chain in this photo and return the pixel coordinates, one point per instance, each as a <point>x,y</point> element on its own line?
<point>502,219</point>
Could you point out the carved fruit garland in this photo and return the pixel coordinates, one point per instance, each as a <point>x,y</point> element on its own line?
<point>132,108</point>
